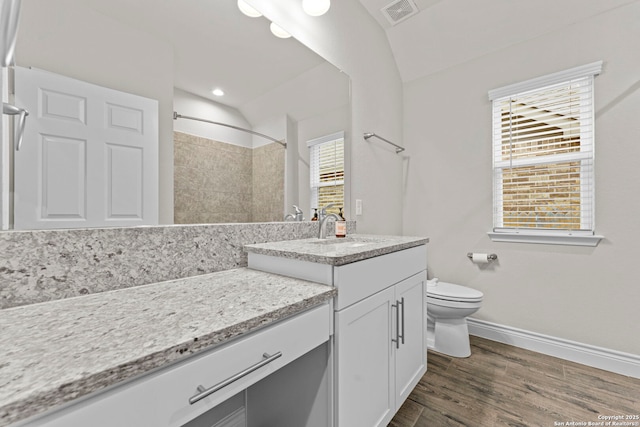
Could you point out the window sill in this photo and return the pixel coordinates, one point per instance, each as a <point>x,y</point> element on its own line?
<point>548,239</point>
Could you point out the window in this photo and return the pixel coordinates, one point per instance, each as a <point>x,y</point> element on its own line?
<point>543,159</point>
<point>326,171</point>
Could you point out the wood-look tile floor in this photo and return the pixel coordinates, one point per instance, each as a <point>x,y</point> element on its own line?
<point>502,385</point>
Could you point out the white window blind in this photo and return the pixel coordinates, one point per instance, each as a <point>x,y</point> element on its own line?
<point>543,154</point>
<point>326,171</point>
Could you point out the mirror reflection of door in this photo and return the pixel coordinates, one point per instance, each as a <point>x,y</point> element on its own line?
<point>89,156</point>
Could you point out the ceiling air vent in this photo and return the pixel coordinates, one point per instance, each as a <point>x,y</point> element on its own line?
<point>399,10</point>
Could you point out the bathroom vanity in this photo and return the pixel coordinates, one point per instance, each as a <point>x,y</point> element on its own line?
<point>334,338</point>
<point>188,352</point>
<point>379,344</point>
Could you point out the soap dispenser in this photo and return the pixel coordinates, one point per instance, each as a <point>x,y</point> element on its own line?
<point>341,226</point>
<point>315,214</point>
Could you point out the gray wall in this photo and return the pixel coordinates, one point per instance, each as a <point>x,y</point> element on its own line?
<point>350,38</point>
<point>216,182</point>
<point>268,182</point>
<point>212,181</point>
<point>588,295</point>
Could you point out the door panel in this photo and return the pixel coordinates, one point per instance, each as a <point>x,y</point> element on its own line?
<point>62,106</point>
<point>124,175</point>
<point>124,118</point>
<point>365,360</point>
<point>411,356</point>
<point>64,177</point>
<point>89,157</point>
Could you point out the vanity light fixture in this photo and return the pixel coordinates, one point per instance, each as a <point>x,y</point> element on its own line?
<point>248,10</point>
<point>218,92</point>
<point>316,7</point>
<point>278,31</point>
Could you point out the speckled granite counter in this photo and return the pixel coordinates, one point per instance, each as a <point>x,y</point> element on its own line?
<point>57,351</point>
<point>333,251</point>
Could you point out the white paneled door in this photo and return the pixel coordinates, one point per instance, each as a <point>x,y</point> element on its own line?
<point>89,156</point>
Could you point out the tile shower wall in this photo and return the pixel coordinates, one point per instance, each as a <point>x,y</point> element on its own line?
<point>212,181</point>
<point>216,182</point>
<point>268,182</point>
<point>44,265</point>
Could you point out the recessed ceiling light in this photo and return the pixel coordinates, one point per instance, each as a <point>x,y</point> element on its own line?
<point>316,7</point>
<point>248,10</point>
<point>278,31</point>
<point>217,92</point>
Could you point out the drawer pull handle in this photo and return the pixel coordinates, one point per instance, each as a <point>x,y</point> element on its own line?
<point>204,392</point>
<point>401,302</point>
<point>397,338</point>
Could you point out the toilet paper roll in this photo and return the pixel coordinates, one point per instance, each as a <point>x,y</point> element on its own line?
<point>480,258</point>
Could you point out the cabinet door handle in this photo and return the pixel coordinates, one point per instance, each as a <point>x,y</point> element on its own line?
<point>397,339</point>
<point>204,392</point>
<point>401,303</point>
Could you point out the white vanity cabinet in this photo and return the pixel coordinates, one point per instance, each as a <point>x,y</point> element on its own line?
<point>380,350</point>
<point>380,342</point>
<point>167,397</point>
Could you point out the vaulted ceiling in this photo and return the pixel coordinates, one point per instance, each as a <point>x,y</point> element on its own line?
<point>441,34</point>
<point>215,45</point>
<point>444,33</point>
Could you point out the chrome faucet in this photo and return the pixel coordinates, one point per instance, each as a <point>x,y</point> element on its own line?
<point>322,219</point>
<point>296,217</point>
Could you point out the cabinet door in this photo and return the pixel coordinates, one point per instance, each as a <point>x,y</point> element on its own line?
<point>365,360</point>
<point>411,355</point>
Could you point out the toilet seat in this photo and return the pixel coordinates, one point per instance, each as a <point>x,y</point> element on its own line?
<point>448,307</point>
<point>451,292</point>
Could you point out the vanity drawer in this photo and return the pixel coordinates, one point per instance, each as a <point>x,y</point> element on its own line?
<point>162,398</point>
<point>362,279</point>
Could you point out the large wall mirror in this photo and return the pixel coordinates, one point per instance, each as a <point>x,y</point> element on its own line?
<point>176,53</point>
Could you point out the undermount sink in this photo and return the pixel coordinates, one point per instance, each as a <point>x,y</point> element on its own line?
<point>341,243</point>
<point>336,244</point>
<point>347,241</point>
<point>335,250</point>
<point>351,241</point>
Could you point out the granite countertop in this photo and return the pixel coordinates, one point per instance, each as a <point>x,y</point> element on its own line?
<point>57,351</point>
<point>337,251</point>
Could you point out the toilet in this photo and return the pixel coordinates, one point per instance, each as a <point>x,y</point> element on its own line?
<point>448,306</point>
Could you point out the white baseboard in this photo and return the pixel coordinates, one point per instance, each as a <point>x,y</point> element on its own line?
<point>597,357</point>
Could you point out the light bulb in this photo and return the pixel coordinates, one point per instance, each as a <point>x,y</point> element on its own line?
<point>218,92</point>
<point>248,10</point>
<point>316,7</point>
<point>278,31</point>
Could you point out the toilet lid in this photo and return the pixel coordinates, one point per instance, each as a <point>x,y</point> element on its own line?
<point>452,292</point>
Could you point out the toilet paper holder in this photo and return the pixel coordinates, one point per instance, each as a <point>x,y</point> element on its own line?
<point>490,257</point>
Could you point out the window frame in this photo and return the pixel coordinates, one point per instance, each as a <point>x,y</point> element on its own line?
<point>531,235</point>
<point>314,190</point>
